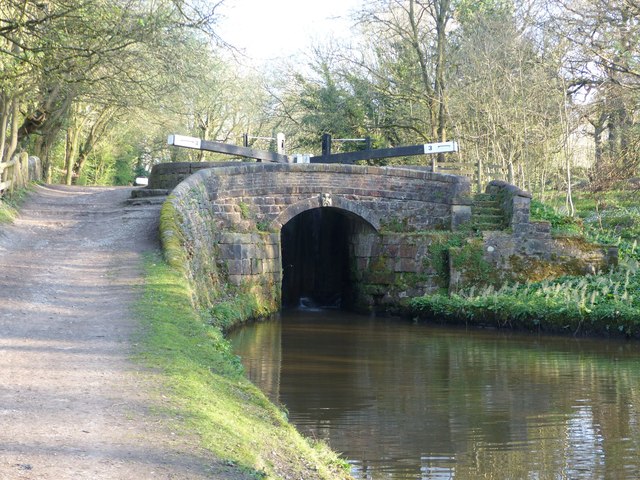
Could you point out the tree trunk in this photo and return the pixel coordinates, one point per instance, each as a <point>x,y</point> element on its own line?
<point>70,153</point>
<point>426,81</point>
<point>442,16</point>
<point>11,148</point>
<point>95,133</point>
<point>204,127</point>
<point>4,123</point>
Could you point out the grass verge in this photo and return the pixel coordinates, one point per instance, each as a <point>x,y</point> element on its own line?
<point>8,212</point>
<point>592,305</point>
<point>9,204</point>
<point>205,381</point>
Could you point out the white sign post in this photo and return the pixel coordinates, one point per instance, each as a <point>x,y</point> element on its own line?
<point>184,141</point>
<point>441,147</point>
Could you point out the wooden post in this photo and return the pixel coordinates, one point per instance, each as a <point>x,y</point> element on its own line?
<point>280,143</point>
<point>326,144</point>
<point>245,139</point>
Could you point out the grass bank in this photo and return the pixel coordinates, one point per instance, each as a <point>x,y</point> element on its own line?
<point>9,204</point>
<point>205,380</point>
<point>607,303</point>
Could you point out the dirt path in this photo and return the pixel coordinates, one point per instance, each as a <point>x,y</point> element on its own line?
<point>73,405</point>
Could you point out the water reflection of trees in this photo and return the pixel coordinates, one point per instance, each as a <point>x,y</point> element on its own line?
<point>441,404</point>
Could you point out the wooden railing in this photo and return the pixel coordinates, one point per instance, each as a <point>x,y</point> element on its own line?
<point>18,172</point>
<point>7,174</point>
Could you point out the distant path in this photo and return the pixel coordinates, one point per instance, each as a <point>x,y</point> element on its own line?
<point>72,403</point>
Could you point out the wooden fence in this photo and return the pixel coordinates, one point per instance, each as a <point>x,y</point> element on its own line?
<point>479,172</point>
<point>19,171</point>
<point>6,174</point>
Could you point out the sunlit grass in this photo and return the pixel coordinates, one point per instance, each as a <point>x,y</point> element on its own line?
<point>9,204</point>
<point>7,212</point>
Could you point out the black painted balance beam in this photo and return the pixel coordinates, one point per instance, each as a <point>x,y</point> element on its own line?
<point>351,157</point>
<point>226,148</point>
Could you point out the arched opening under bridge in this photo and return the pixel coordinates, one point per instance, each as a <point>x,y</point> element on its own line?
<point>317,257</point>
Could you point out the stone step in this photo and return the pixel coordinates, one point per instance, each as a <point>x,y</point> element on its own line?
<point>487,213</point>
<point>487,226</point>
<point>154,200</point>
<point>484,197</point>
<point>486,210</point>
<point>486,203</point>
<point>149,192</point>
<point>486,217</point>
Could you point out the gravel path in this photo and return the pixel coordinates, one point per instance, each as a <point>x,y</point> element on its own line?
<point>73,405</point>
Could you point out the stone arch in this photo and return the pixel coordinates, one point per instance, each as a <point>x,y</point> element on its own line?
<point>348,207</point>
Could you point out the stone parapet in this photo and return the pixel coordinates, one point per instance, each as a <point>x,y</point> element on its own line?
<point>263,196</point>
<point>515,203</point>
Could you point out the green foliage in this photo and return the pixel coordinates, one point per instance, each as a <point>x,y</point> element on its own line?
<point>469,261</point>
<point>329,105</point>
<point>607,303</point>
<point>8,211</point>
<point>603,304</point>
<point>10,203</point>
<point>102,79</point>
<point>467,10</point>
<point>559,223</point>
<point>238,309</point>
<point>123,173</point>
<point>611,218</point>
<point>263,226</point>
<point>438,254</point>
<point>623,223</point>
<point>244,211</point>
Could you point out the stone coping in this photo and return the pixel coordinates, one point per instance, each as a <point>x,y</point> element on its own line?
<point>236,168</point>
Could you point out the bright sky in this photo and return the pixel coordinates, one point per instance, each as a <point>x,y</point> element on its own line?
<point>268,29</point>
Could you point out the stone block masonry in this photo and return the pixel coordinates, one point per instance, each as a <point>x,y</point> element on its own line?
<point>409,229</point>
<point>254,196</point>
<point>253,257</point>
<point>240,208</point>
<point>527,251</point>
<point>391,267</point>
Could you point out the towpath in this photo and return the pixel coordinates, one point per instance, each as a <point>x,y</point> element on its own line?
<point>73,403</point>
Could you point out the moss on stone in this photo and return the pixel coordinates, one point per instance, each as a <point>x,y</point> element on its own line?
<point>379,272</point>
<point>439,251</point>
<point>171,236</point>
<point>245,214</point>
<point>473,268</point>
<point>397,225</point>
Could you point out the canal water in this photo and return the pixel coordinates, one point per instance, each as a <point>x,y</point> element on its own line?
<point>412,401</point>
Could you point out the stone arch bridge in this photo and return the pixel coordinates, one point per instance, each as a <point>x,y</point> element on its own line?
<point>357,235</point>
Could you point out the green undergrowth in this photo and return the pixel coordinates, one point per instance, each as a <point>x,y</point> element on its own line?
<point>8,212</point>
<point>591,305</point>
<point>10,202</point>
<point>607,303</point>
<point>236,310</point>
<point>560,224</point>
<point>210,394</point>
